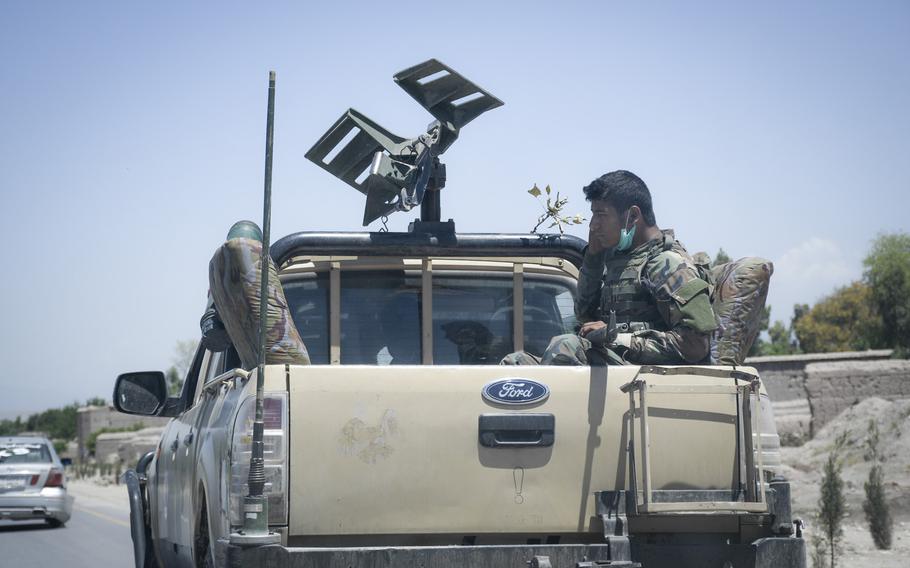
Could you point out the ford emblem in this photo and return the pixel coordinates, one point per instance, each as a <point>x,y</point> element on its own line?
<point>515,391</point>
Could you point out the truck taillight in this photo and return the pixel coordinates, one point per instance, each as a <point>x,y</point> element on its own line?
<point>275,454</point>
<point>770,441</point>
<point>54,478</point>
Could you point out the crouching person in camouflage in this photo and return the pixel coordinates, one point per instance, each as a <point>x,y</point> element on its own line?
<point>638,278</point>
<point>232,315</point>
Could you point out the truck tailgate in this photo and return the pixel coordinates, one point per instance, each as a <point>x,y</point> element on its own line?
<point>395,450</point>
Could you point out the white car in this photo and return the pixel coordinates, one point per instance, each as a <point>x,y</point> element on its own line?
<point>32,482</point>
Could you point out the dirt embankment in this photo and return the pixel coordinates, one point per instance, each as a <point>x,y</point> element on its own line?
<point>804,466</point>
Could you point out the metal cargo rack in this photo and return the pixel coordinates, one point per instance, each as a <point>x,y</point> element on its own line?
<point>745,387</point>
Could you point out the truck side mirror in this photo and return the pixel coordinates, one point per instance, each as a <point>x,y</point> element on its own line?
<point>140,393</point>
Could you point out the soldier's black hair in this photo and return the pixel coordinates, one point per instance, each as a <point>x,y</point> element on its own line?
<point>622,190</point>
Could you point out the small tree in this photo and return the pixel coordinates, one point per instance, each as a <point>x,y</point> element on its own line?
<point>832,507</point>
<point>888,276</point>
<point>846,320</point>
<point>183,358</point>
<point>878,514</point>
<point>819,548</point>
<point>721,258</point>
<point>782,341</point>
<point>174,381</point>
<point>759,346</point>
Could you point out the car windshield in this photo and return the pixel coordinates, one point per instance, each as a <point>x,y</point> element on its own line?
<point>381,314</point>
<point>11,453</point>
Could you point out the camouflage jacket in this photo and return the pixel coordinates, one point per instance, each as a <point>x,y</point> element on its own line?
<point>658,296</point>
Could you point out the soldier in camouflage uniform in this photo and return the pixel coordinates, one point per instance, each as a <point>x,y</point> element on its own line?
<point>639,276</point>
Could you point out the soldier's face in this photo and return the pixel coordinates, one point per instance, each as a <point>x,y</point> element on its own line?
<point>605,225</point>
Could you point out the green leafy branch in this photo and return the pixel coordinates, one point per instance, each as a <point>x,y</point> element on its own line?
<point>553,210</point>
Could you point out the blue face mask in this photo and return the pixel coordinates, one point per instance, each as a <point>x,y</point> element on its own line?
<point>625,236</point>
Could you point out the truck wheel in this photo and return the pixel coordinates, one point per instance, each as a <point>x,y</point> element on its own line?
<point>202,546</point>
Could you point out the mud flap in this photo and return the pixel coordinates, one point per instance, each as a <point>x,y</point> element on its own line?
<point>137,517</point>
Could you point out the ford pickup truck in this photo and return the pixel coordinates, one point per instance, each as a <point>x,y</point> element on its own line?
<point>406,444</point>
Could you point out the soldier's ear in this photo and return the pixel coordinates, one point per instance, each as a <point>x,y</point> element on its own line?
<point>634,213</point>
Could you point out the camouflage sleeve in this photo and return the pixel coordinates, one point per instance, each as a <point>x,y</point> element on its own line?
<point>590,281</point>
<point>683,303</point>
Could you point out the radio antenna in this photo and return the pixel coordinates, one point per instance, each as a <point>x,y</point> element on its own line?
<point>255,531</point>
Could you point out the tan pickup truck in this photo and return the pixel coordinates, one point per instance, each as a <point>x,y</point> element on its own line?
<point>405,444</point>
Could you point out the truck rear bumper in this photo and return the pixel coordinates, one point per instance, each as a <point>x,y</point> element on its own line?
<point>276,556</point>
<point>782,552</point>
<point>50,503</point>
<point>774,552</point>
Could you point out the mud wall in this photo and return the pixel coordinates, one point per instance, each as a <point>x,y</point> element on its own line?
<point>90,419</point>
<point>835,386</point>
<point>126,447</point>
<point>809,390</point>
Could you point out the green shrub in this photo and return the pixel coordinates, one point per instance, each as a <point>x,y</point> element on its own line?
<point>832,507</point>
<point>878,513</point>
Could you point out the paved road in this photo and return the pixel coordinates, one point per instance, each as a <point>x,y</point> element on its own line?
<point>98,534</point>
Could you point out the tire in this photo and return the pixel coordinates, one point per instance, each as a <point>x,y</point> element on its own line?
<point>54,523</point>
<point>202,545</point>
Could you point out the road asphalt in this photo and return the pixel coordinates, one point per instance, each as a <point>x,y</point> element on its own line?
<point>98,534</point>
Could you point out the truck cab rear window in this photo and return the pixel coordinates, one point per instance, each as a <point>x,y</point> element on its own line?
<point>381,313</point>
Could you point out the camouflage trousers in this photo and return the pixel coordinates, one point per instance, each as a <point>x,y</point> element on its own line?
<point>568,349</point>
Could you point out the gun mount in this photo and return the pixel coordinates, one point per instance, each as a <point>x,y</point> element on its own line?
<point>395,173</point>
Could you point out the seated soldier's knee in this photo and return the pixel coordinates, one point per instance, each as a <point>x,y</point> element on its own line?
<point>566,359</point>
<point>568,349</point>
<point>520,358</point>
<point>564,339</point>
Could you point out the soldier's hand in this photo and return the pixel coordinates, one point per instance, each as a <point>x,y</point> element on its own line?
<point>590,326</point>
<point>595,239</point>
<point>598,333</point>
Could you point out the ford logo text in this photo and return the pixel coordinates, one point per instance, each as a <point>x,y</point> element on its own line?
<point>515,391</point>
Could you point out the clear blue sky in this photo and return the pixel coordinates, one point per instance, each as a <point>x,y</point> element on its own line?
<point>132,134</point>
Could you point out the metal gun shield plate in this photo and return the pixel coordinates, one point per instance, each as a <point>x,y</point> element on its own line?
<point>445,93</point>
<point>349,157</point>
